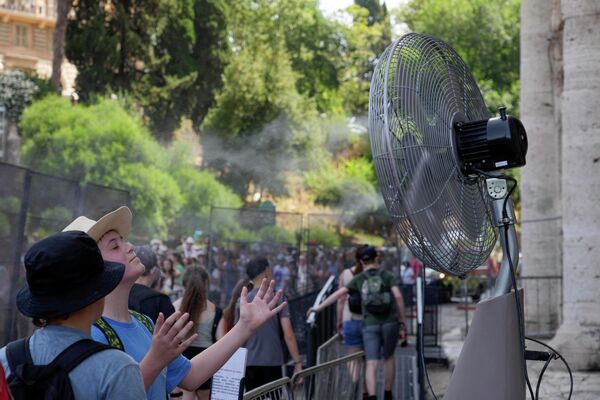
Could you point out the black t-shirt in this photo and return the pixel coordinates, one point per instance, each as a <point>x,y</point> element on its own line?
<point>149,302</point>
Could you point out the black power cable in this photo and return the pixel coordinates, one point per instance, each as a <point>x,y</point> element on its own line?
<point>555,355</point>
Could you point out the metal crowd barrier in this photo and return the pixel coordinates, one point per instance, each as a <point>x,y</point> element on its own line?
<point>337,379</point>
<point>331,349</point>
<point>276,390</point>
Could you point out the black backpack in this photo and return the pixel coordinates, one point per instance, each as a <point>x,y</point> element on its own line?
<point>354,300</point>
<point>51,381</point>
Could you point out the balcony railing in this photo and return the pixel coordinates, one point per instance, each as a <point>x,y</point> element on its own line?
<point>39,9</point>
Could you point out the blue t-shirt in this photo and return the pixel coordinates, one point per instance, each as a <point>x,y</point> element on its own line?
<point>136,341</point>
<point>108,374</point>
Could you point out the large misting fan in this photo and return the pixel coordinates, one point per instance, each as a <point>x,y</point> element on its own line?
<point>438,157</point>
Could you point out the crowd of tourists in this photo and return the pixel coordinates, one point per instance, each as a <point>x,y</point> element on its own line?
<point>149,322</point>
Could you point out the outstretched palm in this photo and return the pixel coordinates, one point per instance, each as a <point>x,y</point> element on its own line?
<point>262,308</point>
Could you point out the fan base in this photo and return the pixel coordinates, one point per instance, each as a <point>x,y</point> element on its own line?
<point>490,364</point>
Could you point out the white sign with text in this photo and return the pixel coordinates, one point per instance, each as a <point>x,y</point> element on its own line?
<point>226,381</point>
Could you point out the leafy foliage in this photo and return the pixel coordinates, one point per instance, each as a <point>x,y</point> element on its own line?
<point>167,54</point>
<point>264,126</point>
<point>200,191</point>
<point>351,184</point>
<point>492,53</point>
<point>16,92</point>
<point>325,237</point>
<point>81,142</point>
<point>276,234</point>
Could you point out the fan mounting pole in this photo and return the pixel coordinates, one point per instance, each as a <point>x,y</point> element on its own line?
<point>490,365</point>
<point>497,190</point>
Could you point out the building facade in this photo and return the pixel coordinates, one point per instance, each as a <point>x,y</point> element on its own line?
<point>26,29</point>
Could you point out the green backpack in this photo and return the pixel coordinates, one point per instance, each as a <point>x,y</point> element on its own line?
<point>376,295</point>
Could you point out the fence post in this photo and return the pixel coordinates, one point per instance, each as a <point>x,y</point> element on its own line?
<point>11,321</point>
<point>81,189</point>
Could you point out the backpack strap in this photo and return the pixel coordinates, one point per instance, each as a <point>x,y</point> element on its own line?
<point>17,353</point>
<point>215,325</point>
<point>73,355</point>
<point>109,333</point>
<point>145,320</point>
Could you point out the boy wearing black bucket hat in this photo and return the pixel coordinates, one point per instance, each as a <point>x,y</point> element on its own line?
<point>64,299</point>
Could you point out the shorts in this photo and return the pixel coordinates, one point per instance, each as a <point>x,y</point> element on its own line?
<point>192,352</point>
<point>352,333</point>
<point>257,376</point>
<point>380,339</point>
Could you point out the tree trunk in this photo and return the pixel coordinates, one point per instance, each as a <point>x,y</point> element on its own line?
<point>58,42</point>
<point>578,337</point>
<point>13,143</point>
<point>540,178</point>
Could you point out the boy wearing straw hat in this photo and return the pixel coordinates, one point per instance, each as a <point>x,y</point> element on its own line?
<point>162,366</point>
<point>67,281</point>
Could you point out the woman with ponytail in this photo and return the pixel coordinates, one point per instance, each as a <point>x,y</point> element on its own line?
<point>229,311</point>
<point>206,317</point>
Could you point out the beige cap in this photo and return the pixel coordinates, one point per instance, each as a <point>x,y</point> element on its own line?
<point>118,220</point>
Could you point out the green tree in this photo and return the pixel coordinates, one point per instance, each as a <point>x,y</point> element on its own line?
<point>82,143</point>
<point>313,44</point>
<point>345,184</point>
<point>16,92</point>
<point>110,43</point>
<point>191,51</point>
<point>200,191</point>
<point>264,126</point>
<point>365,39</point>
<point>167,55</point>
<point>169,196</point>
<point>211,53</point>
<point>492,53</point>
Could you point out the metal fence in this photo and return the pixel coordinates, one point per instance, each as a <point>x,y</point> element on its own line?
<point>338,379</point>
<point>32,206</point>
<point>431,313</point>
<point>543,304</point>
<point>276,390</point>
<point>543,299</point>
<point>331,349</point>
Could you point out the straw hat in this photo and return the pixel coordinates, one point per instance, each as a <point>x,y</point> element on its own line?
<point>118,220</point>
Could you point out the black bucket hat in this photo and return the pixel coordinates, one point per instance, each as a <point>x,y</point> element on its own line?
<point>65,273</point>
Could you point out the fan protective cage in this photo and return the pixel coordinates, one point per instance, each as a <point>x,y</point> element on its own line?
<point>420,87</point>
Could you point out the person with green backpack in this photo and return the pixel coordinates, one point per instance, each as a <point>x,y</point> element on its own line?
<point>384,320</point>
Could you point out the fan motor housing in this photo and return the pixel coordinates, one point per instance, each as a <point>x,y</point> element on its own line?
<point>492,144</point>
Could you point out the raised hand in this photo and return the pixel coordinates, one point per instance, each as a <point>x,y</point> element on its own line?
<point>170,337</point>
<point>262,308</point>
